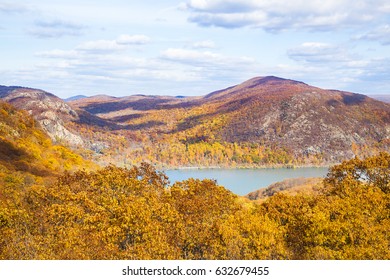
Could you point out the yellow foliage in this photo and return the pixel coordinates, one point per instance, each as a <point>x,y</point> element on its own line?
<point>118,213</point>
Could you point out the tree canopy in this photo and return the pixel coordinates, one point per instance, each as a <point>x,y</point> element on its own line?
<point>119,213</point>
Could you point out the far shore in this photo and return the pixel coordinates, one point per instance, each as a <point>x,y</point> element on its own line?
<point>163,168</point>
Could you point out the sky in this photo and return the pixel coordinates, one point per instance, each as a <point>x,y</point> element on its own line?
<point>192,47</point>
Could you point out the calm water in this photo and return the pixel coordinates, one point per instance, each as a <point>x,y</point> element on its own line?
<point>244,181</point>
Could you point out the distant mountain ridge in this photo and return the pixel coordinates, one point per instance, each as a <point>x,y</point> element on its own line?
<point>383,98</point>
<point>76,97</point>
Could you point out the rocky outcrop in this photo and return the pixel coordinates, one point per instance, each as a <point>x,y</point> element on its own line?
<point>50,111</point>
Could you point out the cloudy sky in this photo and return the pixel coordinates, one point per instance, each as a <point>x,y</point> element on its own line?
<point>193,47</point>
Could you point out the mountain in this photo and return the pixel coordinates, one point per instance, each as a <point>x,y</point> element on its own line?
<point>302,118</point>
<point>113,108</point>
<point>55,116</point>
<point>26,152</point>
<point>76,97</point>
<point>261,122</point>
<point>383,98</point>
<point>50,111</point>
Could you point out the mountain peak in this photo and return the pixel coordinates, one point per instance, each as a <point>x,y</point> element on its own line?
<point>258,85</point>
<point>271,79</point>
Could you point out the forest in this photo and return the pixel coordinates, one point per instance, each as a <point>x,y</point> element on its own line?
<point>117,213</point>
<point>56,205</point>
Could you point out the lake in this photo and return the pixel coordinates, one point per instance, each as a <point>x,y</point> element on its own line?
<point>244,181</point>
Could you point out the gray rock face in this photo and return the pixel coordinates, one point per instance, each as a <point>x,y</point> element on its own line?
<point>57,132</point>
<point>50,111</point>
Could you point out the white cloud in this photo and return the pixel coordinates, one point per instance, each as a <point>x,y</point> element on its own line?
<point>171,72</point>
<point>64,54</point>
<point>276,15</point>
<point>230,20</point>
<point>11,8</point>
<point>121,43</point>
<point>57,24</point>
<point>210,63</point>
<point>133,40</point>
<point>204,45</point>
<point>100,46</point>
<point>184,55</point>
<point>380,34</point>
<point>55,29</point>
<point>219,6</point>
<point>96,59</point>
<point>335,66</point>
<point>318,52</point>
<point>211,68</point>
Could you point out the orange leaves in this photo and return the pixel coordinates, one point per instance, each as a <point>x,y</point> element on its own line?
<point>374,171</point>
<point>201,206</point>
<point>349,220</point>
<point>118,213</point>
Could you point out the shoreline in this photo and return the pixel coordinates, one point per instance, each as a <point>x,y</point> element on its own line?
<point>244,181</point>
<point>166,168</point>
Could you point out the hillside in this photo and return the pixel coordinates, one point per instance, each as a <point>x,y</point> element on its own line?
<point>265,121</point>
<point>55,116</point>
<point>122,109</point>
<point>291,186</point>
<point>50,111</point>
<point>302,118</point>
<point>27,152</point>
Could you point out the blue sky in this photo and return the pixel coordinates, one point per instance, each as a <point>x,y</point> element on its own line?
<point>193,47</point>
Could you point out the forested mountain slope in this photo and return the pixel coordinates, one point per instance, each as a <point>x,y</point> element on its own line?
<point>302,118</point>
<point>26,148</point>
<point>291,118</point>
<point>261,122</point>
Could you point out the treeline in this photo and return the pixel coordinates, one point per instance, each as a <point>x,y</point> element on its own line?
<point>207,154</point>
<point>199,148</point>
<point>118,213</point>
